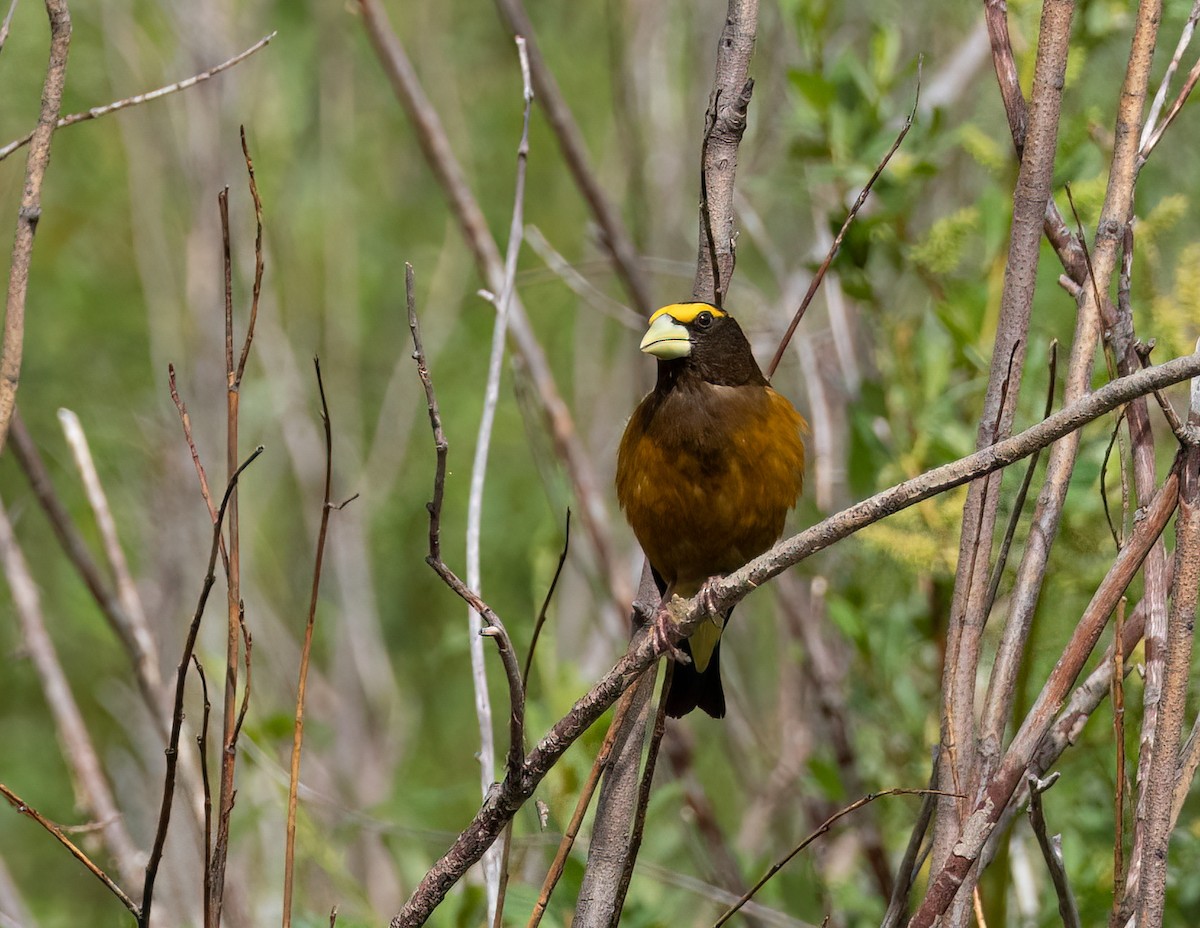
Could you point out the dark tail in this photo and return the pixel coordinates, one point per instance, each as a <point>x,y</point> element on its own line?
<point>691,689</point>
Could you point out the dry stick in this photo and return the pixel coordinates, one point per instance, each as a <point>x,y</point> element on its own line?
<point>1010,530</point>
<point>643,798</point>
<point>172,752</point>
<point>202,747</point>
<point>92,790</point>
<point>537,630</point>
<point>541,618</point>
<point>494,627</point>
<point>1069,724</point>
<point>97,111</point>
<point>1160,96</point>
<point>126,589</point>
<point>614,236</point>
<point>1164,756</point>
<point>558,421</point>
<point>1068,248</point>
<point>1118,703</point>
<point>581,806</point>
<point>30,212</point>
<point>822,830</point>
<point>137,645</point>
<point>997,791</point>
<point>289,859</point>
<point>722,594</point>
<point>235,627</point>
<point>967,617</point>
<point>725,123</point>
<point>612,834</point>
<point>25,809</point>
<point>910,863</point>
<point>4,26</point>
<point>491,398</point>
<point>840,237</point>
<point>1052,851</point>
<point>580,285</point>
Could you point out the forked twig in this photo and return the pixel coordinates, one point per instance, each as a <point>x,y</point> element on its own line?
<point>172,752</point>
<point>289,859</point>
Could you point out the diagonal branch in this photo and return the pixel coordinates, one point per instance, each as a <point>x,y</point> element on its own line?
<point>719,595</point>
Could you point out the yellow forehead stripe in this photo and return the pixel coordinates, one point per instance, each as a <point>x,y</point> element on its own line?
<point>684,313</point>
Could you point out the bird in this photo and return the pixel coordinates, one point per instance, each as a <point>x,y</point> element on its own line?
<point>709,464</point>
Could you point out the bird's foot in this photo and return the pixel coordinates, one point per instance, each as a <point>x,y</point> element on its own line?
<point>665,634</point>
<point>707,598</point>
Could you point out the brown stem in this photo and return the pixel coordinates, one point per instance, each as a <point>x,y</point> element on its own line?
<point>30,212</point>
<point>172,752</point>
<point>967,616</point>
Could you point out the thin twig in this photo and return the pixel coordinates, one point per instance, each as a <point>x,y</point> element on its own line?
<point>25,809</point>
<point>30,212</point>
<point>1018,507</point>
<point>138,647</point>
<point>258,256</point>
<point>541,618</point>
<point>202,747</point>
<point>906,873</point>
<point>840,237</point>
<point>1052,851</point>
<point>491,399</point>
<point>289,858</point>
<point>4,26</point>
<point>1160,96</point>
<point>643,797</point>
<point>97,111</point>
<point>172,752</point>
<point>1118,704</point>
<point>91,786</point>
<point>614,237</point>
<point>822,830</point>
<point>581,806</point>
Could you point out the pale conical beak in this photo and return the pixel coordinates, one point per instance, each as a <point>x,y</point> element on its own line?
<point>666,339</point>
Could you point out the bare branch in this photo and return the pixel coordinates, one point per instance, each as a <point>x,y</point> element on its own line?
<point>822,830</point>
<point>172,752</point>
<point>30,212</point>
<point>614,236</point>
<point>1052,851</point>
<point>97,111</point>
<point>25,809</point>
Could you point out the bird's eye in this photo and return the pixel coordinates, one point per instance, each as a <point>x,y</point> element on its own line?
<point>704,319</point>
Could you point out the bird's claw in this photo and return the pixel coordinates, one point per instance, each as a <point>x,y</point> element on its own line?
<point>665,635</point>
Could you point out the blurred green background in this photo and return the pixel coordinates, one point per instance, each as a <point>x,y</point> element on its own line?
<point>889,366</point>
